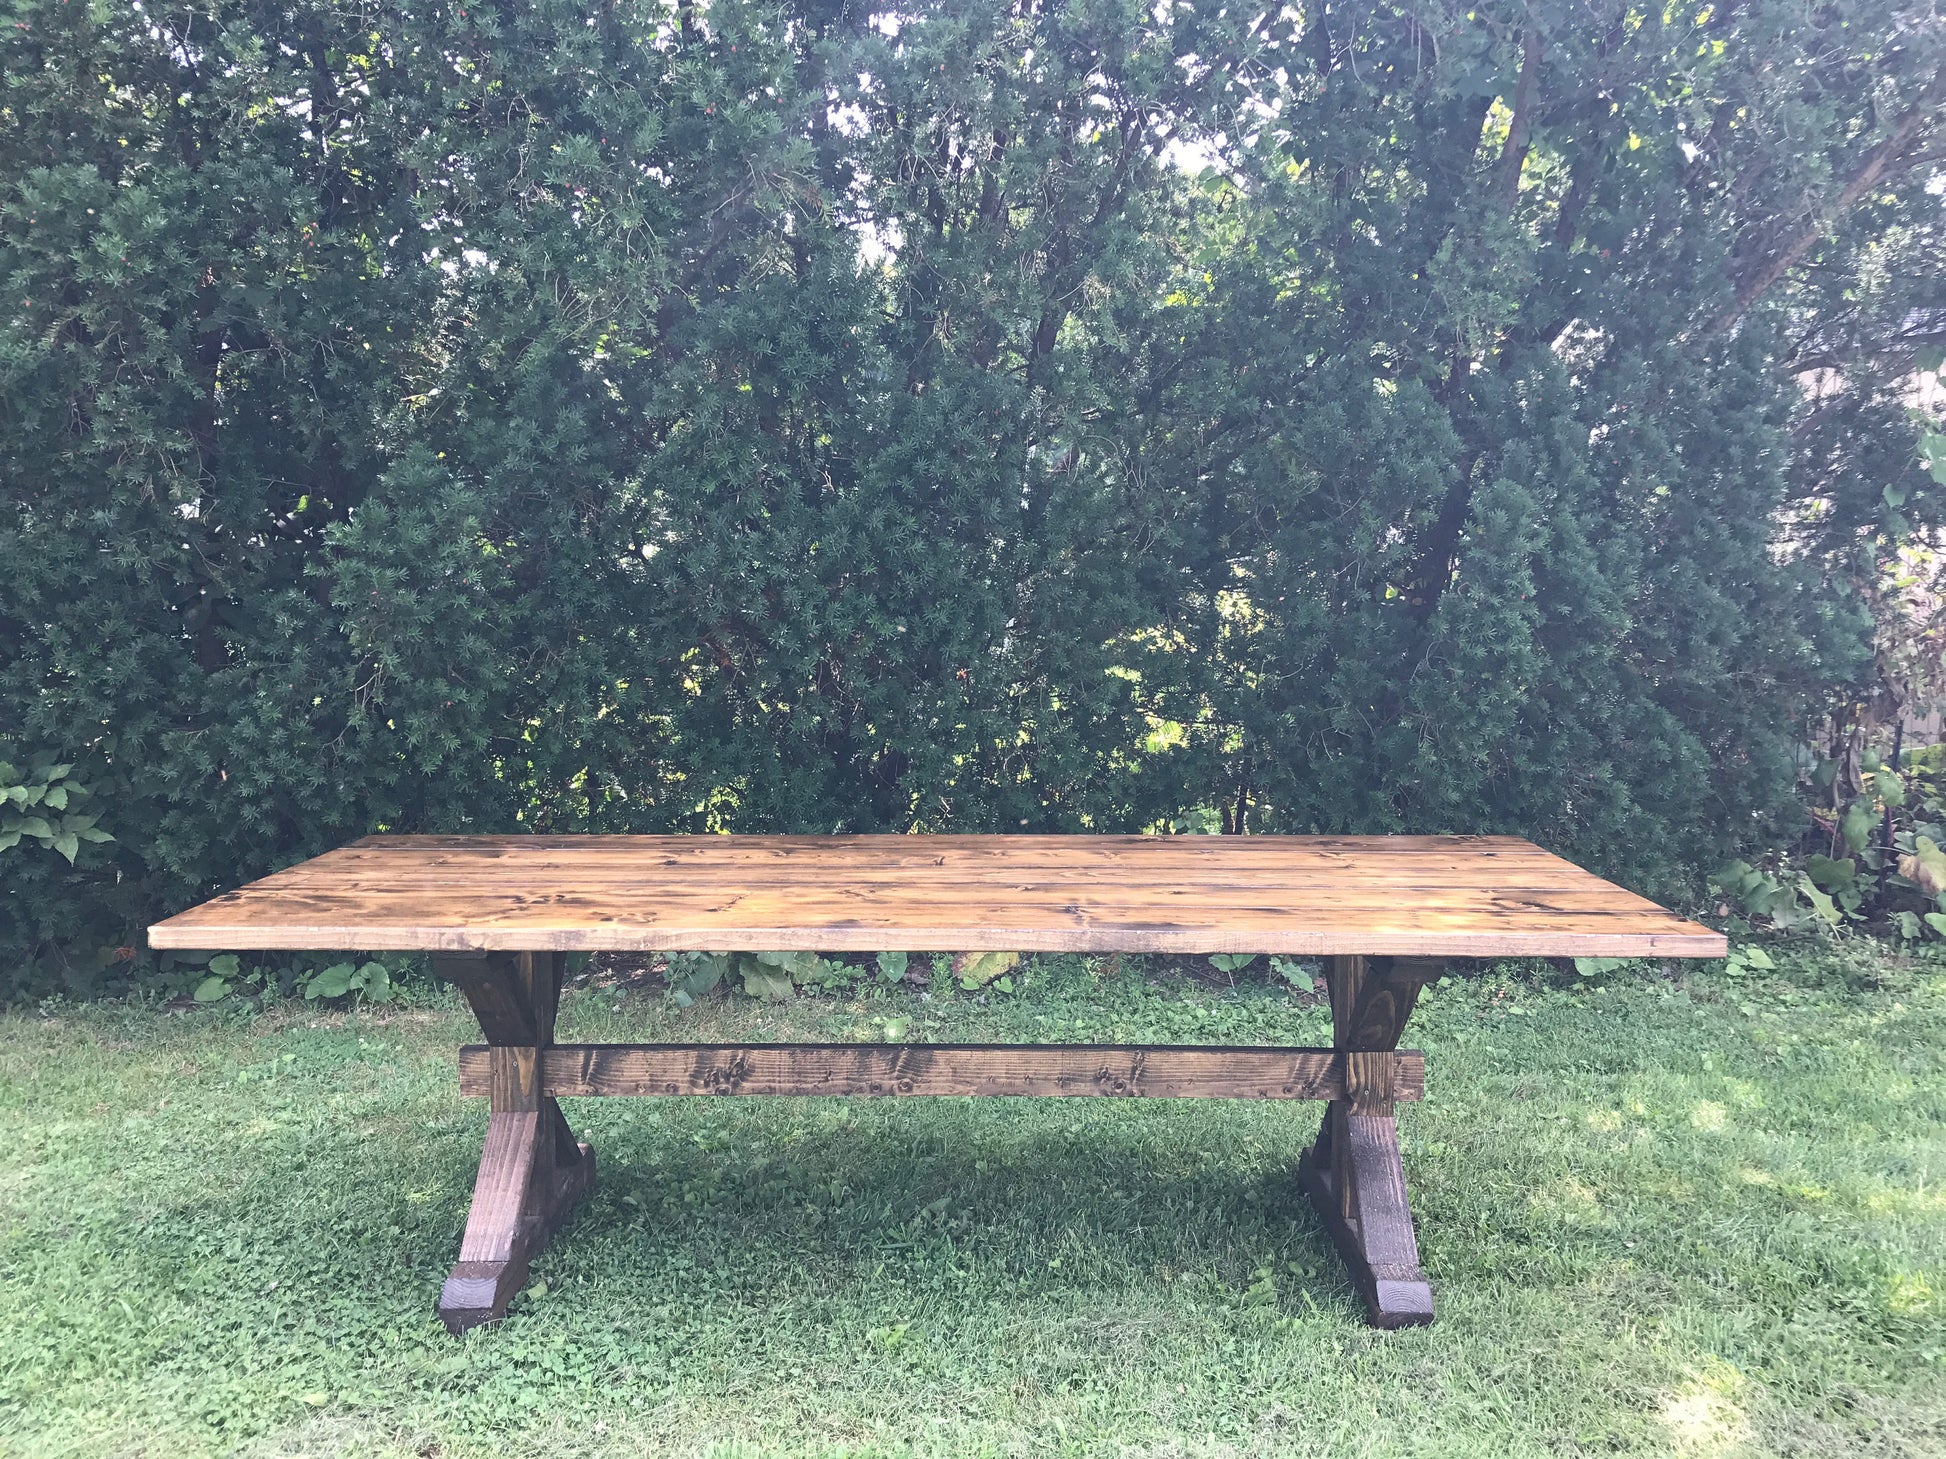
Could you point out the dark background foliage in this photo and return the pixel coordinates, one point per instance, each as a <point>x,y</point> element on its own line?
<point>797,415</point>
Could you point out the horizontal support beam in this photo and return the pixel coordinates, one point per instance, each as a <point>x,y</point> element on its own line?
<point>1198,1071</point>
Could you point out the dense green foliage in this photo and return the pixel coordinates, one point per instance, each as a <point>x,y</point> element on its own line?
<point>1690,1216</point>
<point>786,414</point>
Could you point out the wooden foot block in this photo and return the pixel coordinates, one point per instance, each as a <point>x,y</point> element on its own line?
<point>479,1291</point>
<point>1354,1179</point>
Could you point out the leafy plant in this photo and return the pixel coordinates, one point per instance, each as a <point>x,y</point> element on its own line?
<point>1294,973</point>
<point>771,976</point>
<point>210,979</point>
<point>1787,898</point>
<point>1231,962</point>
<point>37,804</point>
<point>1876,858</point>
<point>371,980</point>
<point>1744,958</point>
<point>1595,967</point>
<point>223,971</point>
<point>976,970</point>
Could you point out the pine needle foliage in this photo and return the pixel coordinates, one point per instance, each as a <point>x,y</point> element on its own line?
<point>799,415</point>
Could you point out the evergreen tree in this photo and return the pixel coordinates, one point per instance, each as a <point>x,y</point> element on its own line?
<point>796,415</point>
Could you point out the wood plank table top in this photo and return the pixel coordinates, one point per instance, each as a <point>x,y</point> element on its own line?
<point>1459,896</point>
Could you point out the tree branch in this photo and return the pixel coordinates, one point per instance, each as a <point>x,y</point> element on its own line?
<point>1856,186</point>
<point>1513,152</point>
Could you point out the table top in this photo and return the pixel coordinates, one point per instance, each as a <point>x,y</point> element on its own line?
<point>1460,896</point>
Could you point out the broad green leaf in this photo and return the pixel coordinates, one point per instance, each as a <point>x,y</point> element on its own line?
<point>225,965</point>
<point>1294,973</point>
<point>1937,921</point>
<point>33,826</point>
<point>773,985</point>
<point>976,970</point>
<point>1820,903</point>
<point>56,797</point>
<point>1890,787</point>
<point>333,982</point>
<point>1757,957</point>
<point>1908,925</point>
<point>892,965</point>
<point>1932,455</point>
<point>800,966</point>
<point>377,982</point>
<point>1856,827</point>
<point>691,976</point>
<point>210,989</point>
<point>68,844</point>
<point>1232,962</point>
<point>1832,876</point>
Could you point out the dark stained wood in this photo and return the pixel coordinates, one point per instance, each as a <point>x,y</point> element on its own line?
<point>1353,1174</point>
<point>495,986</point>
<point>1382,996</point>
<point>532,1170</point>
<point>513,1076</point>
<point>500,1190</point>
<point>1181,1072</point>
<point>529,1180</point>
<point>1425,896</point>
<point>1375,1239</point>
<point>1371,1081</point>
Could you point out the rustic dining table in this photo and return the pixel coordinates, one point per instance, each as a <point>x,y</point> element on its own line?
<point>499,914</point>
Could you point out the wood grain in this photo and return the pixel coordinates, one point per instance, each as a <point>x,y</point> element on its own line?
<point>532,1170</point>
<point>500,1191</point>
<point>1128,1071</point>
<point>1396,1291</point>
<point>496,987</point>
<point>1485,896</point>
<point>1353,1174</point>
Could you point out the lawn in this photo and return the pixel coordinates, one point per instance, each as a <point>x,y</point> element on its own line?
<point>1681,1213</point>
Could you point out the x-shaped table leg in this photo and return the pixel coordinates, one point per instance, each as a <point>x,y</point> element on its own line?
<point>1353,1174</point>
<point>532,1171</point>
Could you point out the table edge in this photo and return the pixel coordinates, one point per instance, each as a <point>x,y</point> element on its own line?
<point>1682,940</point>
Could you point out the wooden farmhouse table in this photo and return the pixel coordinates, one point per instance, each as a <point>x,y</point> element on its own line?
<point>498,913</point>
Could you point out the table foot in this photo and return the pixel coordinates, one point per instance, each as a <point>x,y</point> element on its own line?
<point>1355,1180</point>
<point>532,1174</point>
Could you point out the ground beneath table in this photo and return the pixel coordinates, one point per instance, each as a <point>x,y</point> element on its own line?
<point>1696,1214</point>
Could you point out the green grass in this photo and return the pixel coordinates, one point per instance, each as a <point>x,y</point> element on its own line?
<point>1682,1215</point>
